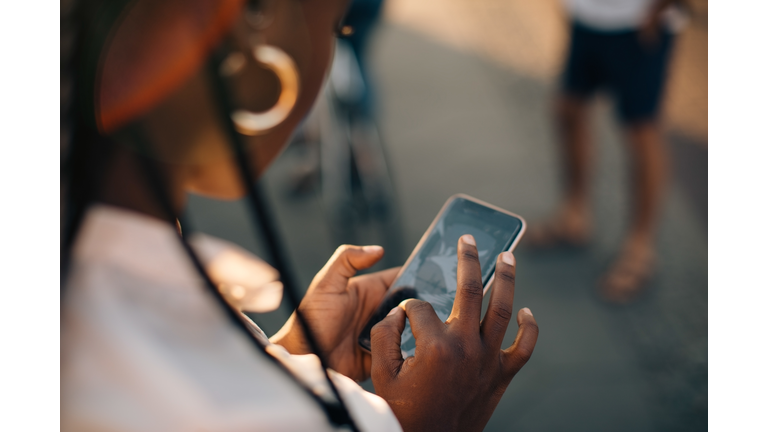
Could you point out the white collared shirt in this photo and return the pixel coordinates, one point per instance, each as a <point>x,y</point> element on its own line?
<point>145,347</point>
<point>611,15</point>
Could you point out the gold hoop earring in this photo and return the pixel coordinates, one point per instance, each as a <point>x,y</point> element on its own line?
<point>252,123</point>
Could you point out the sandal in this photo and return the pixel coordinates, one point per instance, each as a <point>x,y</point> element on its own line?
<point>628,276</point>
<point>558,231</point>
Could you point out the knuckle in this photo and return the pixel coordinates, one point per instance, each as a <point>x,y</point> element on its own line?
<point>470,254</point>
<point>466,352</point>
<point>343,249</point>
<point>506,275</point>
<point>343,258</point>
<point>418,307</point>
<point>501,312</point>
<point>498,327</point>
<point>451,351</point>
<point>440,350</point>
<point>473,289</point>
<point>380,330</point>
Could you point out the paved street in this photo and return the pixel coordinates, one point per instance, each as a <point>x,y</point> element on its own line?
<point>455,122</point>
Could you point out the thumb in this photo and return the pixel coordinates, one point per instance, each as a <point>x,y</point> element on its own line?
<point>347,261</point>
<point>386,357</point>
<point>516,356</point>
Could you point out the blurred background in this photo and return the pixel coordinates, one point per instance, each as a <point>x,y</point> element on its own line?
<point>460,101</point>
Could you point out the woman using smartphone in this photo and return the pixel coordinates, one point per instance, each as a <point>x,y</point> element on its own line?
<point>177,96</point>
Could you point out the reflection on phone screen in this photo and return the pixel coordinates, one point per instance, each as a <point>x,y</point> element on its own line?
<point>431,275</point>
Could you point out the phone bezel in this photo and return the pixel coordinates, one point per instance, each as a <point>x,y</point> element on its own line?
<point>428,231</point>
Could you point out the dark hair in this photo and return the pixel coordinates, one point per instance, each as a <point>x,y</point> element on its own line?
<point>85,25</point>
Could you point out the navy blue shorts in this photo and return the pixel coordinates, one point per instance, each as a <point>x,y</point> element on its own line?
<point>617,61</point>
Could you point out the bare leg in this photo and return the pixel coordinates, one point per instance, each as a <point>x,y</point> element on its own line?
<point>573,123</point>
<point>649,176</point>
<point>571,222</point>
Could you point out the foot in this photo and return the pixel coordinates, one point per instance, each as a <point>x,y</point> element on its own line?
<point>568,227</point>
<point>629,274</point>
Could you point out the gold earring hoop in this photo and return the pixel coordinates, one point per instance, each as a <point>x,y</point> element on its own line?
<point>253,123</point>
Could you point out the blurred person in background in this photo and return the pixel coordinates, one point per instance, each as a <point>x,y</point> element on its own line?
<point>165,97</point>
<point>622,46</point>
<point>341,137</point>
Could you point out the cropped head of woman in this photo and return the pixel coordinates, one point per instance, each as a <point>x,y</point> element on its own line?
<point>178,96</point>
<point>171,97</point>
<point>163,79</point>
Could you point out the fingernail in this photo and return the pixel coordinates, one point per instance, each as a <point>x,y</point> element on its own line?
<point>372,249</point>
<point>508,258</point>
<point>527,311</point>
<point>468,239</point>
<point>393,311</point>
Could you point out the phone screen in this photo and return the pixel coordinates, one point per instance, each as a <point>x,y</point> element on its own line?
<point>430,273</point>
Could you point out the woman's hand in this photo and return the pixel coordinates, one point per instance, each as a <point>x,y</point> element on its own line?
<point>459,371</point>
<point>337,306</point>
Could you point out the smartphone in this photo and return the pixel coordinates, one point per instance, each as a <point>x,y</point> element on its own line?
<point>429,273</point>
